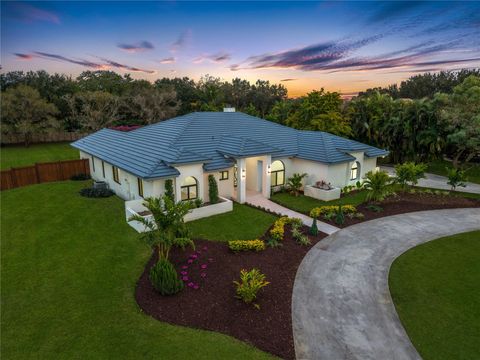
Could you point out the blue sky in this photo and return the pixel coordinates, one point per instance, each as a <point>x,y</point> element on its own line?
<point>341,46</point>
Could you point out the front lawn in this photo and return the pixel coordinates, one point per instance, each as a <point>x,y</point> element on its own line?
<point>69,269</point>
<point>436,294</point>
<point>17,156</point>
<point>243,223</point>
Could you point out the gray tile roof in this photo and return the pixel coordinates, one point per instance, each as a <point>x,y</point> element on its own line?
<point>214,139</point>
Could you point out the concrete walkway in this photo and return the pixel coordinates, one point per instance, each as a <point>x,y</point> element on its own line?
<point>437,182</point>
<point>341,304</point>
<point>257,199</point>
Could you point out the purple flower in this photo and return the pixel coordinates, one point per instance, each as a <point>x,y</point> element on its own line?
<point>194,256</point>
<point>183,272</point>
<point>196,287</point>
<point>210,259</point>
<point>205,248</point>
<point>203,266</point>
<point>203,274</point>
<point>190,261</point>
<point>190,284</point>
<point>185,278</point>
<point>184,267</point>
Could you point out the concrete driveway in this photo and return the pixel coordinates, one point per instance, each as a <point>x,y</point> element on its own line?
<point>341,304</point>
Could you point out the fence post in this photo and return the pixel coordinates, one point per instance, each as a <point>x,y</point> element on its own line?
<point>37,173</point>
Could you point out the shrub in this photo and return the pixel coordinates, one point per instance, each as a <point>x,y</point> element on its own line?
<point>278,230</point>
<point>169,189</point>
<point>246,245</point>
<point>79,177</point>
<point>376,184</point>
<point>198,202</point>
<point>374,208</point>
<point>212,189</point>
<point>295,183</point>
<point>299,237</point>
<point>329,210</point>
<point>295,222</point>
<point>456,177</point>
<point>96,193</point>
<point>409,172</point>
<point>249,285</point>
<point>339,216</point>
<point>164,278</point>
<point>314,228</point>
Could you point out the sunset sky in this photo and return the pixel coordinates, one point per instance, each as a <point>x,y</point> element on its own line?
<point>341,46</point>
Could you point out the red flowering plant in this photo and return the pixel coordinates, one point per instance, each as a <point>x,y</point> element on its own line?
<point>194,271</point>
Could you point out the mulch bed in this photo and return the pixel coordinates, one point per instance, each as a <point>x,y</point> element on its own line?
<point>406,202</point>
<point>213,306</point>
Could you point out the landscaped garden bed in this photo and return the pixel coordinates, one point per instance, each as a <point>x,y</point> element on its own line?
<point>208,300</point>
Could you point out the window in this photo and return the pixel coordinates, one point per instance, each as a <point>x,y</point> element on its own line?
<point>103,168</point>
<point>355,171</point>
<point>93,164</point>
<point>223,175</point>
<point>278,173</point>
<point>140,187</point>
<point>116,176</point>
<point>235,175</point>
<point>189,188</point>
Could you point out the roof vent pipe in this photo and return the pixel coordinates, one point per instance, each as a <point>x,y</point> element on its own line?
<point>228,109</point>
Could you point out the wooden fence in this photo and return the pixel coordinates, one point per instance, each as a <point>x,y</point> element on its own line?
<point>42,172</point>
<point>43,138</point>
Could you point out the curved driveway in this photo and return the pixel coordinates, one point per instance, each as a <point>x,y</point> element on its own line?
<point>341,305</point>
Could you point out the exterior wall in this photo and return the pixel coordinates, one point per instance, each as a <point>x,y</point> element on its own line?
<point>315,171</point>
<point>225,187</point>
<point>195,170</point>
<point>128,187</point>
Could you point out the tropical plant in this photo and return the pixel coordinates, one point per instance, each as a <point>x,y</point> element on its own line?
<point>212,189</point>
<point>277,231</point>
<point>294,183</point>
<point>166,227</point>
<point>376,184</point>
<point>169,189</point>
<point>249,285</point>
<point>314,228</point>
<point>164,278</point>
<point>409,172</point>
<point>339,216</point>
<point>456,177</point>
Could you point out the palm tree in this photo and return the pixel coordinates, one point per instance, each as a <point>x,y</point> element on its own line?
<point>376,184</point>
<point>167,227</point>
<point>295,183</point>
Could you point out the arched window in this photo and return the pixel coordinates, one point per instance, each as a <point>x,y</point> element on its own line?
<point>278,173</point>
<point>189,188</point>
<point>355,171</point>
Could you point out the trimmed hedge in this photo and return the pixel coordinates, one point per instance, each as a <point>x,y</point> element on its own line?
<point>246,245</point>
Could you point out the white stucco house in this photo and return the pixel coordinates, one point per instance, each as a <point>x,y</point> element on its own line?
<point>243,152</point>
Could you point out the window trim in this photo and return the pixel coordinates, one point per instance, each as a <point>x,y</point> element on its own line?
<point>116,174</point>
<point>103,168</point>
<point>188,189</point>
<point>274,175</point>
<point>222,173</point>
<point>140,187</point>
<point>93,163</point>
<point>355,167</point>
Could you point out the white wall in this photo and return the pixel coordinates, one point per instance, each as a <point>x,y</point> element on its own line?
<point>195,170</point>
<point>225,187</point>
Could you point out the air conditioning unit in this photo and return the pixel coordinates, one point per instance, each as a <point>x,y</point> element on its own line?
<point>100,185</point>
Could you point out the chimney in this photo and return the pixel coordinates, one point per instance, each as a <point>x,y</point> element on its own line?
<point>228,109</point>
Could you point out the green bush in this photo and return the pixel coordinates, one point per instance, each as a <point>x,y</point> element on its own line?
<point>409,172</point>
<point>96,193</point>
<point>376,184</point>
<point>169,189</point>
<point>314,227</point>
<point>249,285</point>
<point>80,177</point>
<point>339,216</point>
<point>299,237</point>
<point>245,245</point>
<point>212,189</point>
<point>198,202</point>
<point>456,177</point>
<point>164,278</point>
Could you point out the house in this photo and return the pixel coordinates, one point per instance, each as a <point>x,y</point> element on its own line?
<point>243,152</point>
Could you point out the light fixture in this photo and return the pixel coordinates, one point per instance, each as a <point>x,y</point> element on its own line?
<point>243,174</point>
<point>269,169</point>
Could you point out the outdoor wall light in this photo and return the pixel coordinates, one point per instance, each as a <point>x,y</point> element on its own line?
<point>244,175</point>
<point>269,169</point>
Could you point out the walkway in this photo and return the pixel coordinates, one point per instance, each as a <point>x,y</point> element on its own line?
<point>341,304</point>
<point>257,199</point>
<point>437,182</point>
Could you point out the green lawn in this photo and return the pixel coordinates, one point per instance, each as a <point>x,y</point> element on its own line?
<point>17,156</point>
<point>69,266</point>
<point>243,223</point>
<point>304,203</point>
<point>438,167</point>
<point>436,291</point>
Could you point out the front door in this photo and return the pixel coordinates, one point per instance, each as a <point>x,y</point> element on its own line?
<point>259,175</point>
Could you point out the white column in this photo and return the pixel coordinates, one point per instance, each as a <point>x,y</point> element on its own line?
<point>178,195</point>
<point>267,162</point>
<point>241,180</point>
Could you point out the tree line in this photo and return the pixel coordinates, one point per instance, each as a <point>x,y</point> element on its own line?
<point>425,117</point>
